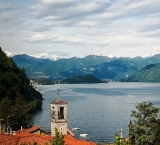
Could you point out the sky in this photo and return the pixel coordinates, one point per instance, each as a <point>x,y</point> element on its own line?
<point>69,28</point>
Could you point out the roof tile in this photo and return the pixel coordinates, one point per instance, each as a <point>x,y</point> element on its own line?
<point>31,138</point>
<point>6,139</point>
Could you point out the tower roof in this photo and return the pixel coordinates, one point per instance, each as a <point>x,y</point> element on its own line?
<point>59,101</point>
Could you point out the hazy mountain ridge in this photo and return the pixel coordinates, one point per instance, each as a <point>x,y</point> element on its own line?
<point>55,69</point>
<point>31,65</point>
<point>150,73</point>
<point>102,67</point>
<point>113,70</point>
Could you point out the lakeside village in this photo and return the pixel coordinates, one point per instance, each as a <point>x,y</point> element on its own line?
<point>35,136</point>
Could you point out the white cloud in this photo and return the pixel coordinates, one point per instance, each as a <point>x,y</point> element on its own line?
<point>54,38</point>
<point>82,27</point>
<point>87,7</point>
<point>88,23</point>
<point>53,1</point>
<point>39,37</point>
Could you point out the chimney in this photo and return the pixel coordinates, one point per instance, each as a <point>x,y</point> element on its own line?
<point>21,128</point>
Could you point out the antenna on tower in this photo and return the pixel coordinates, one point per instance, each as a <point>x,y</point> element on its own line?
<point>58,93</point>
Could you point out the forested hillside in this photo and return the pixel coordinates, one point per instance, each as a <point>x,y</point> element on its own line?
<point>86,79</point>
<point>16,88</point>
<point>150,73</point>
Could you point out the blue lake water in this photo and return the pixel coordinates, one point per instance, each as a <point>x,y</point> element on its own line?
<point>100,110</point>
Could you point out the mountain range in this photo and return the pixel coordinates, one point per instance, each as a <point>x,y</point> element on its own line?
<point>102,67</point>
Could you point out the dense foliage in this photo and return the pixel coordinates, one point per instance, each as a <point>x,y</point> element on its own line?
<point>144,126</point>
<point>157,142</point>
<point>14,84</point>
<point>16,113</point>
<point>119,141</point>
<point>131,133</point>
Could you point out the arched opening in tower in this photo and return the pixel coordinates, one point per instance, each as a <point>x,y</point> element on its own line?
<point>60,112</point>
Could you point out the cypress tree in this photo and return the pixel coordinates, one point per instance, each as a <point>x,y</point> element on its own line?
<point>131,133</point>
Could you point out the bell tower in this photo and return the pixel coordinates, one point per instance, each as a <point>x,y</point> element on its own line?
<point>58,116</point>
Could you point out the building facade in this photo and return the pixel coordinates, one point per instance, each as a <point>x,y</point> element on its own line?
<point>58,116</point>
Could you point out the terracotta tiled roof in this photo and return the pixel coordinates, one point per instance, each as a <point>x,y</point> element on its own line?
<point>70,140</point>
<point>59,101</point>
<point>29,130</point>
<point>28,138</point>
<point>68,137</point>
<point>6,139</point>
<point>79,142</point>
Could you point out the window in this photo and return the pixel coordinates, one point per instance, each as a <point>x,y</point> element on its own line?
<point>60,112</point>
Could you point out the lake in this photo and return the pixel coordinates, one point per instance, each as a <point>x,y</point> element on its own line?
<point>100,110</point>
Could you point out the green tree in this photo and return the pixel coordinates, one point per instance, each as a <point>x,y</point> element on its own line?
<point>15,113</point>
<point>5,109</point>
<point>119,141</point>
<point>21,115</point>
<point>131,133</point>
<point>58,139</point>
<point>145,123</point>
<point>158,133</point>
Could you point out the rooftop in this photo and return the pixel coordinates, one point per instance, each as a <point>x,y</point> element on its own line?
<point>28,138</point>
<point>28,130</point>
<point>59,101</point>
<point>25,136</point>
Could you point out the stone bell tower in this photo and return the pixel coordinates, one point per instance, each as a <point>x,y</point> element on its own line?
<point>58,116</point>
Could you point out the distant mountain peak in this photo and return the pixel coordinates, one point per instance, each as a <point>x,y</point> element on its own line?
<point>9,54</point>
<point>111,56</point>
<point>46,56</point>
